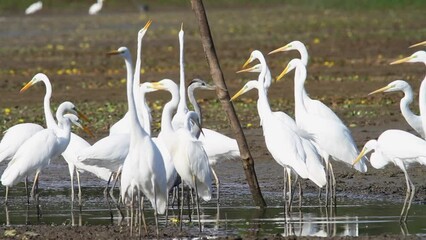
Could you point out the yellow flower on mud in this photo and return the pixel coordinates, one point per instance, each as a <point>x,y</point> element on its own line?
<point>316,40</point>
<point>123,81</point>
<point>249,125</point>
<point>7,111</point>
<point>21,120</point>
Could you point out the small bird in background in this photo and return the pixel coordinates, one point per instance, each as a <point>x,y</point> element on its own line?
<point>96,7</point>
<point>35,7</point>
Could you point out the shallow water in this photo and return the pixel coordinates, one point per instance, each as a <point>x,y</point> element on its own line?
<point>236,216</point>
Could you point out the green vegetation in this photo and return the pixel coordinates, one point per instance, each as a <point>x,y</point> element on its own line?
<point>11,6</point>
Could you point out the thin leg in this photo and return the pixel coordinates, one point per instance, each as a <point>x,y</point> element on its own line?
<point>300,195</point>
<point>285,194</point>
<point>27,193</point>
<point>403,217</point>
<point>7,194</point>
<point>143,216</point>
<point>71,170</point>
<point>327,186</point>
<point>333,187</point>
<point>111,191</point>
<point>107,186</point>
<point>181,209</point>
<point>217,184</point>
<point>198,201</point>
<point>34,185</point>
<point>156,213</point>
<point>290,200</point>
<point>131,212</point>
<point>79,188</point>
<point>140,213</point>
<point>413,191</point>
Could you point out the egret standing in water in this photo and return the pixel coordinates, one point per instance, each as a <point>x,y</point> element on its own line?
<point>35,153</point>
<point>33,8</point>
<point>401,148</point>
<point>143,168</point>
<point>326,128</point>
<point>96,7</point>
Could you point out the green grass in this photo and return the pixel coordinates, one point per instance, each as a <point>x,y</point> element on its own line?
<point>14,6</point>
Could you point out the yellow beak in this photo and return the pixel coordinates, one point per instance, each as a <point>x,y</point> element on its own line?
<point>82,116</point>
<point>418,44</point>
<point>239,93</point>
<point>87,130</point>
<point>247,62</point>
<point>28,85</point>
<point>401,60</point>
<point>283,73</point>
<point>361,154</point>
<point>246,70</point>
<point>281,49</point>
<point>147,25</point>
<point>381,90</point>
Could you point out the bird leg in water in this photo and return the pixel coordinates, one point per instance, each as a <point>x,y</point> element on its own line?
<point>79,188</point>
<point>408,197</point>
<point>285,195</point>
<point>333,187</point>
<point>7,194</point>
<point>217,184</point>
<point>198,201</point>
<point>34,185</point>
<point>181,209</point>
<point>143,215</point>
<point>27,193</point>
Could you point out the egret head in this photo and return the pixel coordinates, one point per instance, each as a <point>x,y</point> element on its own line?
<point>255,68</point>
<point>418,44</point>
<point>419,56</point>
<point>122,51</point>
<point>247,87</point>
<point>291,46</point>
<point>368,147</point>
<point>76,121</point>
<point>256,54</point>
<point>397,85</point>
<point>142,32</point>
<point>165,84</point>
<point>39,77</point>
<point>290,66</point>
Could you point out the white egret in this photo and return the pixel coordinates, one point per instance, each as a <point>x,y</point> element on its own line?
<point>35,7</point>
<point>327,130</point>
<point>313,159</point>
<point>412,119</point>
<point>178,118</point>
<point>35,153</point>
<point>418,57</point>
<point>189,157</point>
<point>216,145</point>
<point>143,168</point>
<point>111,151</point>
<point>76,142</point>
<point>278,136</point>
<point>96,7</point>
<point>401,148</point>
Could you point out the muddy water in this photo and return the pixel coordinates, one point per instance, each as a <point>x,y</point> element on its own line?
<point>355,215</point>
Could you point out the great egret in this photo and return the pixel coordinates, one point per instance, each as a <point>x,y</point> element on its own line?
<point>188,155</point>
<point>313,160</point>
<point>401,148</point>
<point>418,57</point>
<point>216,145</point>
<point>96,7</point>
<point>37,6</point>
<point>35,153</point>
<point>412,119</point>
<point>178,118</point>
<point>143,168</point>
<point>76,142</point>
<point>327,131</point>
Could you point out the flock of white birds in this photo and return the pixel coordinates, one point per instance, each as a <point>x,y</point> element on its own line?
<point>94,9</point>
<point>149,166</point>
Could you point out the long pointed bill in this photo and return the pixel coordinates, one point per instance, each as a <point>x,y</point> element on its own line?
<point>401,60</point>
<point>361,154</point>
<point>281,49</point>
<point>28,85</point>
<point>247,62</point>
<point>381,90</point>
<point>181,27</point>
<point>418,44</point>
<point>82,116</point>
<point>87,130</point>
<point>239,93</point>
<point>247,69</point>
<point>157,86</point>
<point>115,52</point>
<point>209,87</point>
<point>147,25</point>
<point>283,73</point>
